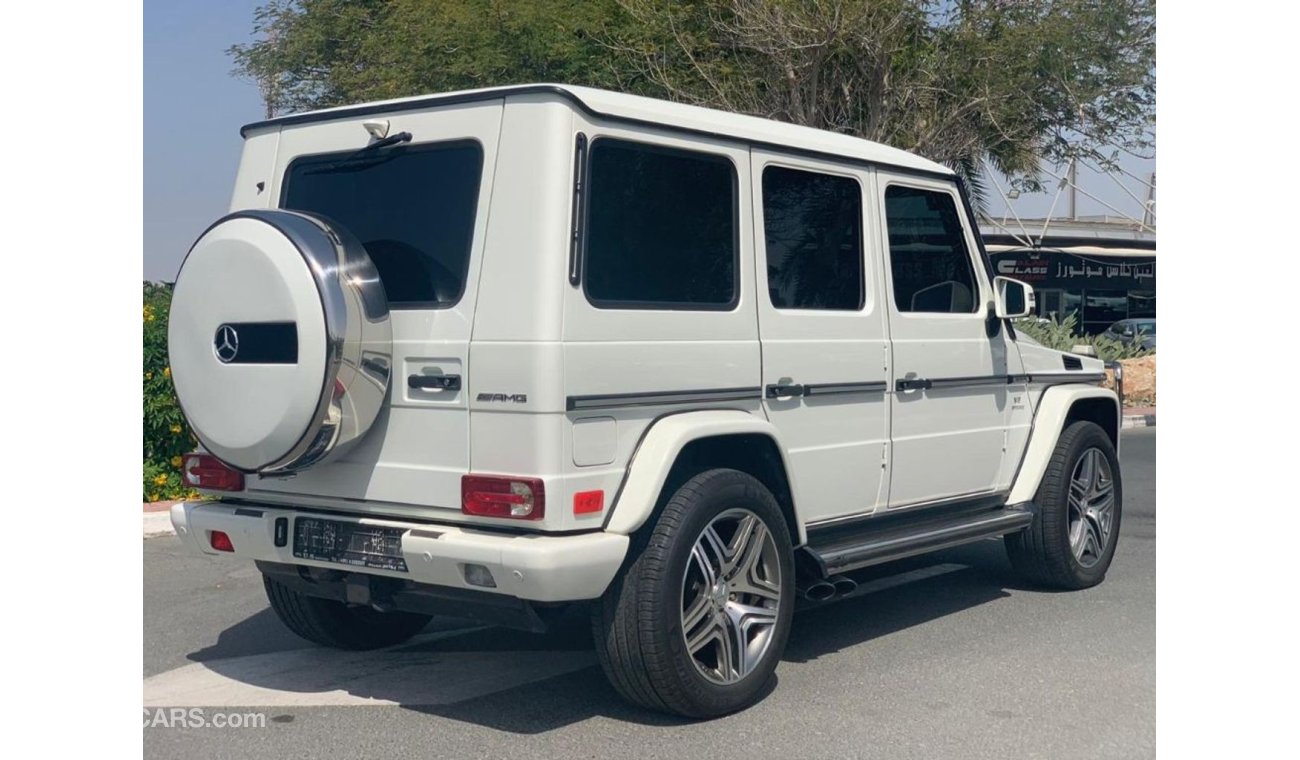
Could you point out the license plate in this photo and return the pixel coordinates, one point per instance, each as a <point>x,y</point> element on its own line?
<point>349,543</point>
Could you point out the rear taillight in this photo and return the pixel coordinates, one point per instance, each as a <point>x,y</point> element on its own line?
<point>207,472</point>
<point>502,496</point>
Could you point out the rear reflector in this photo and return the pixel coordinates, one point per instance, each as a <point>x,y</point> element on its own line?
<point>502,496</point>
<point>586,502</point>
<point>220,541</point>
<point>206,471</point>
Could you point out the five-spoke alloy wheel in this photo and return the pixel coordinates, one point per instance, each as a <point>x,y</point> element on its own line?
<point>731,594</point>
<point>1071,541</point>
<point>1091,503</point>
<point>697,621</point>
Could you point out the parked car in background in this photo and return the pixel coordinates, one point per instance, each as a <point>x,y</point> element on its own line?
<point>1139,331</point>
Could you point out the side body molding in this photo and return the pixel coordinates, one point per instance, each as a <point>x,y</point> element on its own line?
<point>1049,421</point>
<point>658,450</point>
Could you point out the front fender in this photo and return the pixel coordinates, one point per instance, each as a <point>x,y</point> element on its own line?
<point>1049,421</point>
<point>658,451</point>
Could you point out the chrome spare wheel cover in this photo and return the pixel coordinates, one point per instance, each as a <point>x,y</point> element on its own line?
<point>1091,506</point>
<point>731,595</point>
<point>279,340</point>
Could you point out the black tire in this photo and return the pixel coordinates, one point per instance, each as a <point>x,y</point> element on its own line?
<point>332,623</point>
<point>1042,553</point>
<point>637,625</point>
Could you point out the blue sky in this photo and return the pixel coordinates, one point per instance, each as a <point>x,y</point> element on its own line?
<point>193,109</point>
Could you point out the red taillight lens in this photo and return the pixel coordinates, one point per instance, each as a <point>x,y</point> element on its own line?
<point>206,471</point>
<point>502,496</point>
<point>220,541</point>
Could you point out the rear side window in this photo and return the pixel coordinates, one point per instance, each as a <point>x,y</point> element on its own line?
<point>928,259</point>
<point>813,228</point>
<point>412,207</point>
<point>660,228</point>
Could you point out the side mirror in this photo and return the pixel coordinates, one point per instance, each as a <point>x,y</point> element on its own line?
<point>1014,298</point>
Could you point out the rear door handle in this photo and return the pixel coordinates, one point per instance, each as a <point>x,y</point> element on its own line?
<point>914,384</point>
<point>782,391</point>
<point>434,382</point>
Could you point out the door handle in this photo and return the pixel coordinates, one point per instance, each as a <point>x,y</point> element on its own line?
<point>434,382</point>
<point>914,384</point>
<point>780,391</point>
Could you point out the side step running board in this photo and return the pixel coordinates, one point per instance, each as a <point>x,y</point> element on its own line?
<point>873,547</point>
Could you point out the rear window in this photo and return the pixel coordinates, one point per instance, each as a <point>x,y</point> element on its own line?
<point>413,208</point>
<point>812,225</point>
<point>661,228</point>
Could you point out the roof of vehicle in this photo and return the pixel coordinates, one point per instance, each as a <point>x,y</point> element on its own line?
<point>652,112</point>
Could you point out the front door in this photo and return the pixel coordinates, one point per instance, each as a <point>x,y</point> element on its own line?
<point>822,323</point>
<point>950,396</point>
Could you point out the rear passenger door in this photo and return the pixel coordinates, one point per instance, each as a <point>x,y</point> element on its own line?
<point>950,396</point>
<point>822,328</point>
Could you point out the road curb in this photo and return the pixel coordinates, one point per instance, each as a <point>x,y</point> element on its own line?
<point>1139,420</point>
<point>158,524</point>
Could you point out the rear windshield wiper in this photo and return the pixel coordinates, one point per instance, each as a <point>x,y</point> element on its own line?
<point>363,158</point>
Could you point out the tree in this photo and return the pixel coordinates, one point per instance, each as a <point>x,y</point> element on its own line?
<point>1011,82</point>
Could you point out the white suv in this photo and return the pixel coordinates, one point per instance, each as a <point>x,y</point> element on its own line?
<point>492,353</point>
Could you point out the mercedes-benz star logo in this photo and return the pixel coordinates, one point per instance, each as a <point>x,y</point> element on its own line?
<point>226,344</point>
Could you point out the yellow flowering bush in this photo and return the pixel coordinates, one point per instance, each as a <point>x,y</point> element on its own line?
<point>166,436</point>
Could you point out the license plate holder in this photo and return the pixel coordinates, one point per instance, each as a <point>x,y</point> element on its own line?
<point>349,543</point>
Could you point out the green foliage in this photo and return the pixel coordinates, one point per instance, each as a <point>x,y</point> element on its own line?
<point>166,436</point>
<point>961,83</point>
<point>1062,335</point>
<point>319,53</point>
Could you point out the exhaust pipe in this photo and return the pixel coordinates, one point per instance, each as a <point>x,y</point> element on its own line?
<point>820,591</point>
<point>843,584</point>
<point>833,587</point>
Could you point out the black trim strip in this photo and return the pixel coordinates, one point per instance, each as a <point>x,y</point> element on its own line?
<point>922,383</point>
<point>969,382</point>
<point>504,92</point>
<point>828,389</point>
<point>1052,378</point>
<point>659,398</point>
<point>925,383</point>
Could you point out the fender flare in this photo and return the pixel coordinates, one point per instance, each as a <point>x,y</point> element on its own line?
<point>657,452</point>
<point>1049,421</point>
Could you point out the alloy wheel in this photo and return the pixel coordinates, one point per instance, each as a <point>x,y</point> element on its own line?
<point>731,596</point>
<point>1091,506</point>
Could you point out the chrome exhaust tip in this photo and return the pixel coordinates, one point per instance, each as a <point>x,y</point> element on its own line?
<point>819,591</point>
<point>843,585</point>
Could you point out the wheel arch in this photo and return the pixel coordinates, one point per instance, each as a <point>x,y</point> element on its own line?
<point>680,445</point>
<point>1057,408</point>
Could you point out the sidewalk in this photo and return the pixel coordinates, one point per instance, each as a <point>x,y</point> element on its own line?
<point>157,519</point>
<point>1139,416</point>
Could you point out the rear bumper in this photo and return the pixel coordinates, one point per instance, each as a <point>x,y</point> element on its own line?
<point>533,567</point>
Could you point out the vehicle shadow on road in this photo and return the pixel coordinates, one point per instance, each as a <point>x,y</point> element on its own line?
<point>902,595</point>
<point>533,683</point>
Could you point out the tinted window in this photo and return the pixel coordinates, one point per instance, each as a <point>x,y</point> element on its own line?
<point>813,227</point>
<point>661,228</point>
<point>413,208</point>
<point>927,253</point>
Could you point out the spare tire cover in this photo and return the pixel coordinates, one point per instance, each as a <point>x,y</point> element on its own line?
<point>279,340</point>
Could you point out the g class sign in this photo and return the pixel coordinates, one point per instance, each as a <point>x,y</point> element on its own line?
<point>1056,269</point>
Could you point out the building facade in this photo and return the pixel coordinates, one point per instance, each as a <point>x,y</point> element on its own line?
<point>1101,270</point>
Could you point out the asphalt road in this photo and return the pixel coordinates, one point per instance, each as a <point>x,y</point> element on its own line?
<point>949,656</point>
